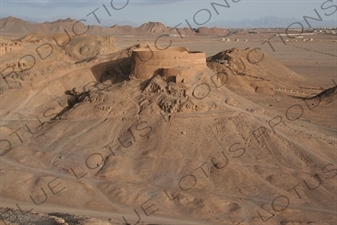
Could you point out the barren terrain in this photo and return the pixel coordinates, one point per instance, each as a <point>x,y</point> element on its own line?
<point>247,138</point>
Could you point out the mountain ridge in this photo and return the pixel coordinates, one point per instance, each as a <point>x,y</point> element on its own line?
<point>16,25</point>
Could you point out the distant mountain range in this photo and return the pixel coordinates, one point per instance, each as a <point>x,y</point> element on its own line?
<point>16,25</point>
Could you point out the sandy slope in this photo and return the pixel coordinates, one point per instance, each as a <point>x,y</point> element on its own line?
<point>122,147</point>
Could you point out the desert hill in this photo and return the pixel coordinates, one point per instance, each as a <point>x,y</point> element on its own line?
<point>153,27</point>
<point>193,149</point>
<point>146,28</point>
<point>42,55</point>
<point>254,71</point>
<point>13,24</point>
<point>16,25</point>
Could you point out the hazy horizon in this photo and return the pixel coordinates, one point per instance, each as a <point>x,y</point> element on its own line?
<point>262,22</point>
<point>170,13</point>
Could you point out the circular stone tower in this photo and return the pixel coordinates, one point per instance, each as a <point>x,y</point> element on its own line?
<point>149,61</point>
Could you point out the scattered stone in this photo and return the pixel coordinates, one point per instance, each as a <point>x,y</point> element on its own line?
<point>231,101</point>
<point>58,220</point>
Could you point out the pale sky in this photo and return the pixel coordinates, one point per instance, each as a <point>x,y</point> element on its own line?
<point>170,13</point>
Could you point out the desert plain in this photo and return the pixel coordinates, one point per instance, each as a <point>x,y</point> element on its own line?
<point>92,134</point>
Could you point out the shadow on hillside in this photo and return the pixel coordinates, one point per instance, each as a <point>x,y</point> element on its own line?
<point>113,72</point>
